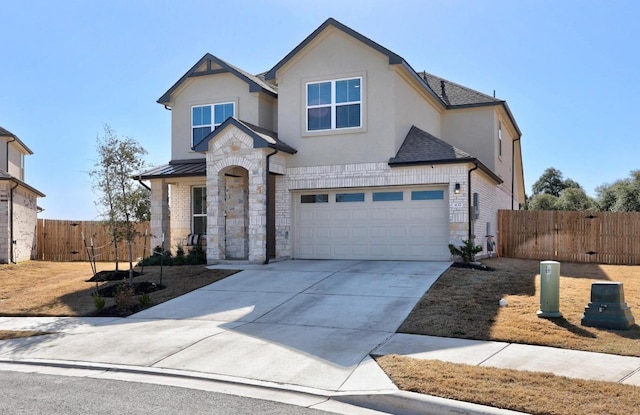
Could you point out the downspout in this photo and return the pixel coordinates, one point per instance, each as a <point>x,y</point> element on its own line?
<point>144,185</point>
<point>11,241</point>
<point>513,165</point>
<point>268,212</point>
<point>469,197</point>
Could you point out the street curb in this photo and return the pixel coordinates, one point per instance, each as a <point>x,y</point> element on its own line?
<point>410,403</point>
<point>397,402</point>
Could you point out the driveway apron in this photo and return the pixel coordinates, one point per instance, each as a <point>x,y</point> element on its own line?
<point>301,322</point>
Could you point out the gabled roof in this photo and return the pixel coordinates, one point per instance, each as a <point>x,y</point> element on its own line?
<point>7,133</point>
<point>256,84</point>
<point>455,96</point>
<point>261,137</point>
<point>420,148</point>
<point>177,168</point>
<point>393,58</point>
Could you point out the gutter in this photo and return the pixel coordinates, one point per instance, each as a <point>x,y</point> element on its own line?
<point>469,197</point>
<point>513,163</point>
<point>11,241</point>
<point>268,210</point>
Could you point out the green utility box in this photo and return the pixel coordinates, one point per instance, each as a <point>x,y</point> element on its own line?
<point>549,289</point>
<point>607,308</point>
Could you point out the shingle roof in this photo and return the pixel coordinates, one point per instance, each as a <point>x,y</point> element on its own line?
<point>179,168</point>
<point>452,94</point>
<point>421,147</point>
<point>261,136</point>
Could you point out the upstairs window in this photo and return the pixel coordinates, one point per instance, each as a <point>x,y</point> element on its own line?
<point>205,118</point>
<point>334,104</point>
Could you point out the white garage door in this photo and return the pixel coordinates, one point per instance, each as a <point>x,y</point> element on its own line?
<point>382,223</point>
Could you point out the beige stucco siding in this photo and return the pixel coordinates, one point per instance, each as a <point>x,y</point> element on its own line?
<point>413,108</point>
<point>472,130</point>
<point>15,154</point>
<point>210,89</point>
<point>334,55</point>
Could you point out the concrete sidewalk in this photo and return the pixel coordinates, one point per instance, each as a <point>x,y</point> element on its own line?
<point>301,326</point>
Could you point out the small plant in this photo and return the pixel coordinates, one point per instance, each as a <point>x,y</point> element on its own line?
<point>144,300</point>
<point>467,251</point>
<point>197,256</point>
<point>99,301</point>
<point>179,259</point>
<point>123,298</point>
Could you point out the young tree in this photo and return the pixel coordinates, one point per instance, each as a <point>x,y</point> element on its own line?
<point>125,202</point>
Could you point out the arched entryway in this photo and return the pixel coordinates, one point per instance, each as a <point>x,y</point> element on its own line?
<point>235,208</point>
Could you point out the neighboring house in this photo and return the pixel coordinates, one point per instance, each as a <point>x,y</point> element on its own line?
<point>340,151</point>
<point>18,202</point>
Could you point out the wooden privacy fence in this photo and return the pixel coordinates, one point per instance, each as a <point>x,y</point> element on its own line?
<point>61,240</point>
<point>598,237</point>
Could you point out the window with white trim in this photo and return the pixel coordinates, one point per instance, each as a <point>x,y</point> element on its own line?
<point>205,118</point>
<point>335,104</point>
<point>199,210</point>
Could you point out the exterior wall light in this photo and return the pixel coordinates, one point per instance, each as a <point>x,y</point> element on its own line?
<point>456,190</point>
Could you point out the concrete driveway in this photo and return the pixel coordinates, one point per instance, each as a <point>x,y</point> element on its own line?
<point>311,324</point>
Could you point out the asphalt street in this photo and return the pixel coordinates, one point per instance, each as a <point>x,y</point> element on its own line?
<point>31,393</point>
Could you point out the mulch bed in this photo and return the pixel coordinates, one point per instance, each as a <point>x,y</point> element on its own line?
<point>119,275</point>
<point>472,265</point>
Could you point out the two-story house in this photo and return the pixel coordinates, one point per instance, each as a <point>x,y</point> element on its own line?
<point>341,150</point>
<point>18,202</point>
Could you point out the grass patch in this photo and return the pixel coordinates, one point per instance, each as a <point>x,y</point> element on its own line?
<point>43,288</point>
<point>534,393</point>
<point>463,303</point>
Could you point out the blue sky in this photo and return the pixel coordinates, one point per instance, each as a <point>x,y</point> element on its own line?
<point>568,69</point>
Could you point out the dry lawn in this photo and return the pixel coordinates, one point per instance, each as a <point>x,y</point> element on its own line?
<point>41,288</point>
<point>464,303</point>
<point>534,393</point>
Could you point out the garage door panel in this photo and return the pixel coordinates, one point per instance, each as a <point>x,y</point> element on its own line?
<point>403,229</point>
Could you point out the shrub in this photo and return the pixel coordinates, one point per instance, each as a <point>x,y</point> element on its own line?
<point>123,298</point>
<point>99,301</point>
<point>144,300</point>
<point>467,251</point>
<point>197,256</point>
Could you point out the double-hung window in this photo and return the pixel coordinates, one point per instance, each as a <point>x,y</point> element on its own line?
<point>205,118</point>
<point>199,210</point>
<point>334,104</point>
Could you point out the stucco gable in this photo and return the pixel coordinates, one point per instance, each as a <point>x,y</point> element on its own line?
<point>212,65</point>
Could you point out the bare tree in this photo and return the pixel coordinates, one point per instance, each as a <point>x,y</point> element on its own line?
<point>124,201</point>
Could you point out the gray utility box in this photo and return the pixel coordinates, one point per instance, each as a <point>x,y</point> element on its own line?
<point>607,308</point>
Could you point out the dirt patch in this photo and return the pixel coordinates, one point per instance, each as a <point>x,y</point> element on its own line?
<point>42,288</point>
<point>464,303</point>
<point>107,275</point>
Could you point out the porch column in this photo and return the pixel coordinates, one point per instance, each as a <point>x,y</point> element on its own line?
<point>159,213</point>
<point>258,211</point>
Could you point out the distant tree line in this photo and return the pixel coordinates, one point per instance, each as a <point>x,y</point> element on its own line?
<point>553,192</point>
